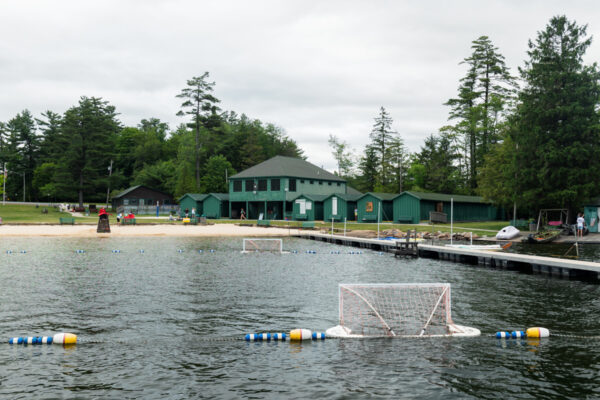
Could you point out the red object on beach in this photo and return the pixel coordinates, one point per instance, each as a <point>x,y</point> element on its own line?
<point>102,212</point>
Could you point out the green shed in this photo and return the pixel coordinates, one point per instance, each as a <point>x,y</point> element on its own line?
<point>215,205</point>
<point>591,214</point>
<point>192,200</point>
<point>415,206</point>
<point>370,204</point>
<point>308,207</point>
<point>340,206</point>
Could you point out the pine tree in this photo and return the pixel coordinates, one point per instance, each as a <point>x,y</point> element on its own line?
<point>201,105</point>
<point>557,132</point>
<point>382,138</point>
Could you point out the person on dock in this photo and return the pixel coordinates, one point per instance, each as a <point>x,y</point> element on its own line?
<point>580,225</point>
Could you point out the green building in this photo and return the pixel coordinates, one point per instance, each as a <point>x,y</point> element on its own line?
<point>340,207</point>
<point>308,207</point>
<point>415,206</point>
<point>192,200</point>
<point>215,205</point>
<point>272,187</point>
<point>369,205</point>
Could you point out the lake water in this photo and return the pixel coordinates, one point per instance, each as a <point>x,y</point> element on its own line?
<point>148,324</point>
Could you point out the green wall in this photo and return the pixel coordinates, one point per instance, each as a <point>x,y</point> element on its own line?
<point>189,203</point>
<point>325,188</point>
<point>215,208</point>
<point>387,209</point>
<point>406,205</point>
<point>315,212</point>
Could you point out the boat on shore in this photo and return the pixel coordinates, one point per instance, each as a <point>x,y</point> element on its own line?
<point>489,247</point>
<point>542,237</point>
<point>507,233</point>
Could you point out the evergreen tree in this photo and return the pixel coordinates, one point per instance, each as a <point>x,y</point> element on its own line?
<point>51,146</point>
<point>479,108</point>
<point>437,157</point>
<point>557,132</point>
<point>382,137</point>
<point>88,131</point>
<point>368,170</point>
<point>201,105</point>
<point>23,146</point>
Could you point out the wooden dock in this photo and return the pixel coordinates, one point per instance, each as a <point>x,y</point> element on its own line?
<point>556,267</point>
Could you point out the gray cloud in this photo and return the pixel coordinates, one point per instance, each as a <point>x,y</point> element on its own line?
<point>313,68</point>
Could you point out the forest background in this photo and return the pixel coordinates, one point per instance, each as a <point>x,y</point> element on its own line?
<point>527,138</point>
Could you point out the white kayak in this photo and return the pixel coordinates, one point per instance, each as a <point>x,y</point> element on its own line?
<point>507,233</point>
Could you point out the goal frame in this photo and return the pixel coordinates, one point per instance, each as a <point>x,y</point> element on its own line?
<point>444,300</point>
<point>270,240</point>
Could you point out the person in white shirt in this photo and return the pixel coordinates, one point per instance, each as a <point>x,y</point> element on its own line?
<point>580,225</point>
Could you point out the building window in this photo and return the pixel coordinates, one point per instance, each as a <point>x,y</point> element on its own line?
<point>262,185</point>
<point>275,186</point>
<point>311,182</point>
<point>301,180</point>
<point>320,182</point>
<point>329,183</point>
<point>339,184</point>
<point>237,186</point>
<point>250,185</point>
<point>292,187</point>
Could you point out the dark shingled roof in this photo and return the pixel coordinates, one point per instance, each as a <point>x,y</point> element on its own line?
<point>131,189</point>
<point>220,196</point>
<point>351,190</point>
<point>458,198</point>
<point>313,197</point>
<point>346,196</point>
<point>382,196</point>
<point>194,196</point>
<point>287,166</point>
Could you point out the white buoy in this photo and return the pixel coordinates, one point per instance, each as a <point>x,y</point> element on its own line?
<point>537,332</point>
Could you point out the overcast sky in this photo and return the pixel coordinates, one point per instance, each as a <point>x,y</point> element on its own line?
<point>313,68</point>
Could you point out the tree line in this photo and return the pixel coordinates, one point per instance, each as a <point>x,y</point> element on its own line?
<point>86,151</point>
<point>526,139</point>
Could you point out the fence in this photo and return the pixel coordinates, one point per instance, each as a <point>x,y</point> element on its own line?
<point>166,209</point>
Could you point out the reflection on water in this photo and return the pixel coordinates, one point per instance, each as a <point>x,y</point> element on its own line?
<point>168,324</point>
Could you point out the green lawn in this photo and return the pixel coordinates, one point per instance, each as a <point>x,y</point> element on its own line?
<point>27,214</point>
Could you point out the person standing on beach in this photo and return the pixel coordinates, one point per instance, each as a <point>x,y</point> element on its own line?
<point>580,225</point>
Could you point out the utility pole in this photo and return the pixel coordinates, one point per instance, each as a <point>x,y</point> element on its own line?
<point>109,175</point>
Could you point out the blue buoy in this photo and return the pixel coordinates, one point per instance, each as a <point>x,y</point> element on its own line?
<point>518,334</point>
<point>503,335</point>
<point>264,337</point>
<point>23,251</point>
<point>141,250</point>
<point>318,336</point>
<point>116,251</point>
<point>180,250</point>
<point>31,340</point>
<point>201,251</point>
<point>211,250</point>
<point>9,251</point>
<point>79,251</point>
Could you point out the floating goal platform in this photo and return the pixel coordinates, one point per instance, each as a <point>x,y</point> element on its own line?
<point>396,310</point>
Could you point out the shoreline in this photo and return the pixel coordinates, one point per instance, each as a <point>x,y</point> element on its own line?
<point>216,230</point>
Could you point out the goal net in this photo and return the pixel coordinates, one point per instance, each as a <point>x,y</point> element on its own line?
<point>258,245</point>
<point>400,309</point>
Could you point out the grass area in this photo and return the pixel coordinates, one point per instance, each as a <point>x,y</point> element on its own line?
<point>28,214</point>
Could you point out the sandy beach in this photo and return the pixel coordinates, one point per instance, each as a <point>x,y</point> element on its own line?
<point>143,230</point>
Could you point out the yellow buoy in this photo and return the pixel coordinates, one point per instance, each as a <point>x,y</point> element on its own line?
<point>64,338</point>
<point>537,332</point>
<point>300,334</point>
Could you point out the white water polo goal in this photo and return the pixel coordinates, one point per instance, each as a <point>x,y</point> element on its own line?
<point>262,245</point>
<point>396,310</point>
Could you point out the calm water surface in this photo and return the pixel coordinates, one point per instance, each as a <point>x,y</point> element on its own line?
<point>147,323</point>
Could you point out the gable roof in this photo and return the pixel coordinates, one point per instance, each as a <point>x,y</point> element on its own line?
<point>287,166</point>
<point>313,197</point>
<point>381,196</point>
<point>194,196</point>
<point>219,196</point>
<point>458,198</point>
<point>131,189</point>
<point>351,190</point>
<point>345,196</point>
